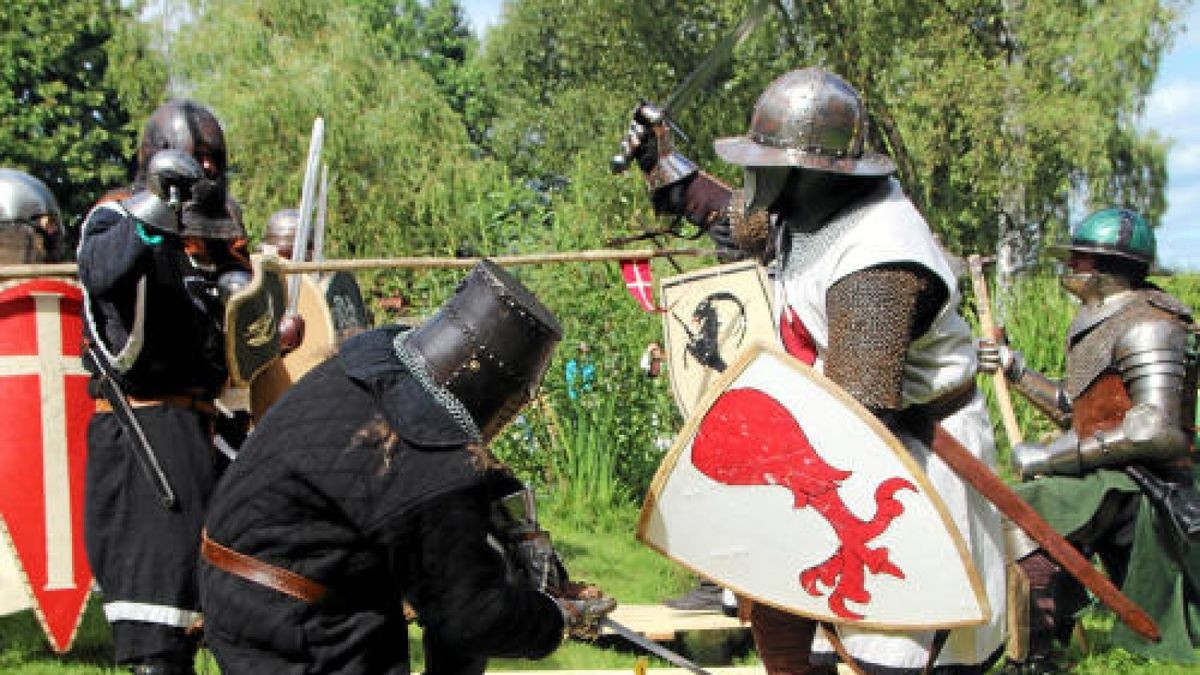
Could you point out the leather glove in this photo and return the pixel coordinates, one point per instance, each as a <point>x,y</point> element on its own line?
<point>583,613</point>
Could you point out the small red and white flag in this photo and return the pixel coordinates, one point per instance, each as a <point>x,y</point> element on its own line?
<point>640,282</point>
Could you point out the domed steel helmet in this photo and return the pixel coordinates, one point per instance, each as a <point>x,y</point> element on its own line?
<point>189,127</point>
<point>487,348</point>
<point>1117,232</point>
<point>24,199</point>
<point>809,119</point>
<point>183,125</point>
<point>281,230</point>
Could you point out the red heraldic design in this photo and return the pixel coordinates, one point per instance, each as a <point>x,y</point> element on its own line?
<point>44,413</point>
<point>749,438</point>
<point>784,489</point>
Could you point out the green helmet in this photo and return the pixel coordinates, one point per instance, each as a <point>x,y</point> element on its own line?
<point>1118,232</point>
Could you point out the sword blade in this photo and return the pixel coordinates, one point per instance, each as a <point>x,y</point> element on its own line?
<point>308,196</point>
<point>652,647</point>
<point>716,58</point>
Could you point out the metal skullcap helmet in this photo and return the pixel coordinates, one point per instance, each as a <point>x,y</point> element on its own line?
<point>191,128</point>
<point>809,119</point>
<point>487,347</point>
<point>281,229</point>
<point>24,199</point>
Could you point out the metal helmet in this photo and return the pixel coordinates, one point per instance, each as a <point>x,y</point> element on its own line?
<point>180,124</point>
<point>809,119</point>
<point>281,231</point>
<point>189,127</point>
<point>487,347</point>
<point>24,201</point>
<point>1116,232</point>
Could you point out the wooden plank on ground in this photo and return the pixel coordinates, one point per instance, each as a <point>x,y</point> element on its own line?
<point>662,623</point>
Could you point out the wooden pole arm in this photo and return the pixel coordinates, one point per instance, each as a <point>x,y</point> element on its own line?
<point>983,305</point>
<point>988,484</point>
<point>561,257</point>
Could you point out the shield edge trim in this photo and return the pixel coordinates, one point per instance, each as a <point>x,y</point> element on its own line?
<point>691,426</point>
<point>260,264</point>
<point>701,274</point>
<point>7,541</point>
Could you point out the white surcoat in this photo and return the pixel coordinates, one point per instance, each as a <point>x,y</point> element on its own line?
<point>886,228</point>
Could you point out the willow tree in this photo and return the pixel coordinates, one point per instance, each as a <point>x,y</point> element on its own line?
<point>405,178</point>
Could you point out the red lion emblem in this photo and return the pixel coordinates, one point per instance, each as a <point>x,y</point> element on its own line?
<point>749,438</point>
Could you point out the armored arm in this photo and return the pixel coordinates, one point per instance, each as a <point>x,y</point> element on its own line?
<point>1047,395</point>
<point>677,186</point>
<point>1153,363</point>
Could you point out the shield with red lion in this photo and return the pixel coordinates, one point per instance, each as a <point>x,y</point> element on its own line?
<point>784,489</point>
<point>44,412</point>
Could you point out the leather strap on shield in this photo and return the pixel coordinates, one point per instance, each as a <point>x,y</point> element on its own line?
<point>252,318</point>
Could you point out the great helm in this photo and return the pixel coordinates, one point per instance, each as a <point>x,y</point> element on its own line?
<point>189,127</point>
<point>488,347</point>
<point>810,119</point>
<point>24,201</point>
<point>1116,232</point>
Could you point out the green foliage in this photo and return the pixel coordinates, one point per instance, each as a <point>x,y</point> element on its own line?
<point>404,180</point>
<point>76,78</point>
<point>996,112</point>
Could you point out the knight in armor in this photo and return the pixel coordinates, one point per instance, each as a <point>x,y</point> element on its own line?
<point>866,296</point>
<point>1118,482</point>
<point>30,220</point>
<point>370,485</point>
<point>156,267</point>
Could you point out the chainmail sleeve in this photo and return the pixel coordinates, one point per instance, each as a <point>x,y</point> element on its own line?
<point>873,316</point>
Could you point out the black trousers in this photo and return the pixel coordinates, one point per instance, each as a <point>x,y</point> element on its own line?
<point>144,556</point>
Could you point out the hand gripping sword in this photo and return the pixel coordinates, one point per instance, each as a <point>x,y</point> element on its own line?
<point>703,74</point>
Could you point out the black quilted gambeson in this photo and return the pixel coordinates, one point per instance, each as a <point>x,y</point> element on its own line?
<point>359,480</point>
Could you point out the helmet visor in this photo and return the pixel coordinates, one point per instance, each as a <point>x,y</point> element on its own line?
<point>763,185</point>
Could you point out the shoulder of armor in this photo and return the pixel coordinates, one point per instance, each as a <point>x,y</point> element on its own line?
<point>1168,303</point>
<point>1152,335</point>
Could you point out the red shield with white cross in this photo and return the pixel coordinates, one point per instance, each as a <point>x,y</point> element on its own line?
<point>44,412</point>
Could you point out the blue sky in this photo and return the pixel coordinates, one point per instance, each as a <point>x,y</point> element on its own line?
<point>1173,109</point>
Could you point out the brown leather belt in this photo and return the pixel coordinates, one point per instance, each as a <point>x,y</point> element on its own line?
<point>264,574</point>
<point>185,401</point>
